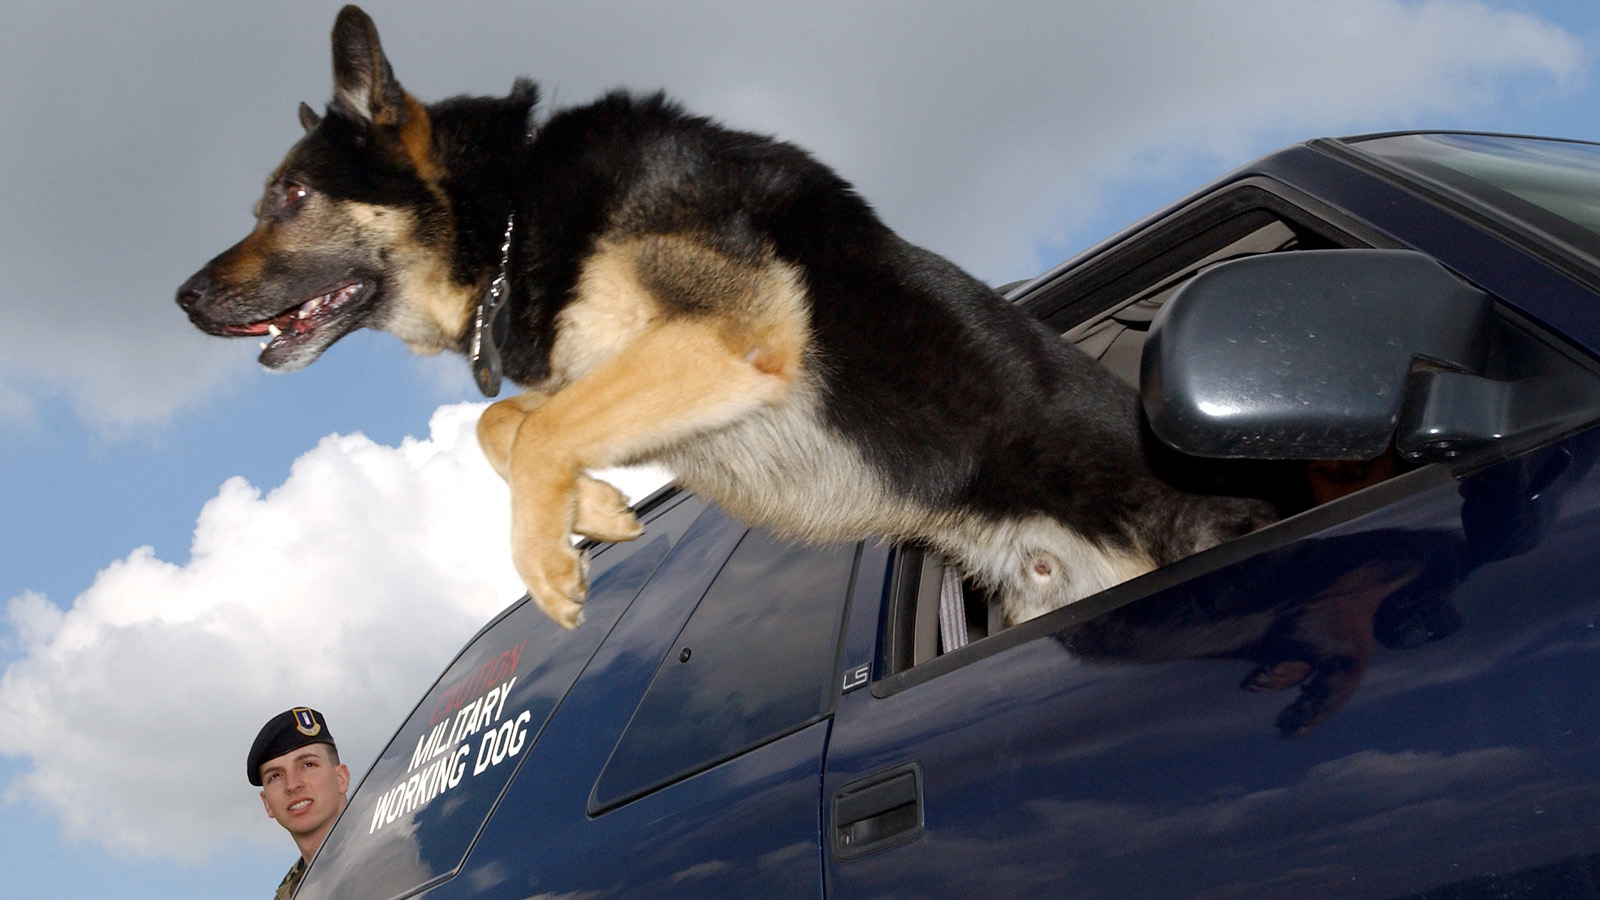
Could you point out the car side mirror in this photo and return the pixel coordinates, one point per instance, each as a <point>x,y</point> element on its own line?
<point>1332,355</point>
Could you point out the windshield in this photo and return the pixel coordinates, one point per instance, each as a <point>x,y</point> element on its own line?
<point>1551,186</point>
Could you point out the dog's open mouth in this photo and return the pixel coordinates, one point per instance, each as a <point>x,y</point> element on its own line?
<point>298,323</point>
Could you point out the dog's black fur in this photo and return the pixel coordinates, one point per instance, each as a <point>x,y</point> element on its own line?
<point>942,413</point>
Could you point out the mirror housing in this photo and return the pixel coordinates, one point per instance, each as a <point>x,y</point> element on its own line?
<point>1311,355</point>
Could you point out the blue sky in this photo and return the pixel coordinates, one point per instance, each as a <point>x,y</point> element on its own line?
<point>189,544</point>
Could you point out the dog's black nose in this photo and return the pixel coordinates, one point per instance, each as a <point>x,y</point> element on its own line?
<point>194,291</point>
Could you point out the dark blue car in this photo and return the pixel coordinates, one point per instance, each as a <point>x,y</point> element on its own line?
<point>1393,692</point>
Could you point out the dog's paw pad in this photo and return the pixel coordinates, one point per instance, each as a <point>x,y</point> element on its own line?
<point>1042,570</point>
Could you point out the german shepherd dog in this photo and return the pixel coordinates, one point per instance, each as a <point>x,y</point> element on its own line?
<point>719,302</point>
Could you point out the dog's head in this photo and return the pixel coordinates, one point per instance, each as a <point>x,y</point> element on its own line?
<point>354,229</point>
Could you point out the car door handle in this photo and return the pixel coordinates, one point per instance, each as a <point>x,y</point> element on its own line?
<point>884,810</point>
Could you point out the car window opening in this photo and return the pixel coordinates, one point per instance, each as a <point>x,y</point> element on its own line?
<point>939,611</point>
<point>1116,337</point>
<point>942,611</point>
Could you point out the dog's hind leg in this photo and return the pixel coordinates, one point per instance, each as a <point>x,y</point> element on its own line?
<point>602,512</point>
<point>678,379</point>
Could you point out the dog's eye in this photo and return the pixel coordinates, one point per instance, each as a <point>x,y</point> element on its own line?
<point>292,196</point>
<point>282,200</point>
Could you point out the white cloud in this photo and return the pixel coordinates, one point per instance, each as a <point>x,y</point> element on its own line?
<point>979,130</point>
<point>347,588</point>
<point>1020,119</point>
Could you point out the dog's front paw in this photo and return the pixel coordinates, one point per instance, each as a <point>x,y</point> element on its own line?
<point>555,578</point>
<point>603,512</point>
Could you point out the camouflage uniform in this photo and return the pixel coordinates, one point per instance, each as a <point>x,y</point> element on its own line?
<point>291,880</point>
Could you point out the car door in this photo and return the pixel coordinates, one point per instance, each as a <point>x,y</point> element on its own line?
<point>1385,695</point>
<point>687,758</point>
<point>412,821</point>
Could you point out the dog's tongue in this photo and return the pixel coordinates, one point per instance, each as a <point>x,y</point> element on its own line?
<point>290,328</point>
<point>302,318</point>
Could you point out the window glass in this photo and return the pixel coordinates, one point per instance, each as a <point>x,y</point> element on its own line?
<point>755,661</point>
<point>1553,186</point>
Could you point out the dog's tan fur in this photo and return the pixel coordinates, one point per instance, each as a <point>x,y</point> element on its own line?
<point>630,376</point>
<point>437,306</point>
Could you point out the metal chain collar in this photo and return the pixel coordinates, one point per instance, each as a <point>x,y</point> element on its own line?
<point>489,326</point>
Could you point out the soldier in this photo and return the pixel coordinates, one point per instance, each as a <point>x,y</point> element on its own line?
<point>296,765</point>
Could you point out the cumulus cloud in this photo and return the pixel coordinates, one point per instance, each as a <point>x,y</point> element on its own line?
<point>348,588</point>
<point>982,131</point>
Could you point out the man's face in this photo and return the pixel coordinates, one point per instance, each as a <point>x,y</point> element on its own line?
<point>303,789</point>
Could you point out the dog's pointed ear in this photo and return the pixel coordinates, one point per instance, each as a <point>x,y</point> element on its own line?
<point>308,116</point>
<point>363,84</point>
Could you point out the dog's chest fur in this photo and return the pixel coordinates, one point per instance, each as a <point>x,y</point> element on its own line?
<point>783,467</point>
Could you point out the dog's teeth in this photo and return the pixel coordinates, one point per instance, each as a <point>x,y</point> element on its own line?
<point>263,345</point>
<point>274,330</point>
<point>316,302</point>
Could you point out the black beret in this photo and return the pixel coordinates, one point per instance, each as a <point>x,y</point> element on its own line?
<point>284,732</point>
